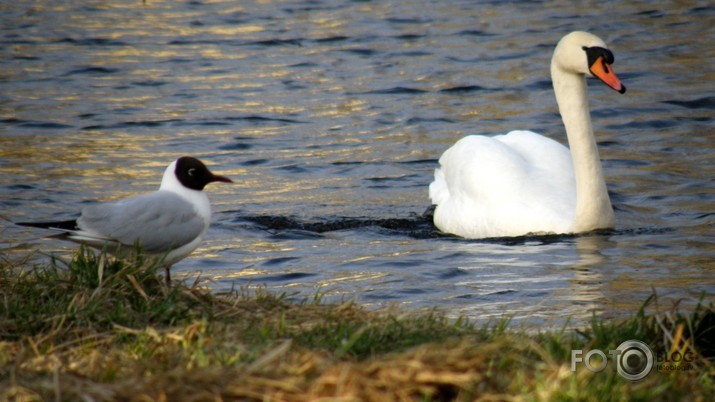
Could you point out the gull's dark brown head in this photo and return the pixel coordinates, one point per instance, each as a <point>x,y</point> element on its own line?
<point>193,174</point>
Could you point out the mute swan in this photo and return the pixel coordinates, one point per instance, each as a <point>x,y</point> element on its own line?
<point>522,182</point>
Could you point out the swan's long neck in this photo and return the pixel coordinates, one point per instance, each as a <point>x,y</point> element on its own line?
<point>593,206</point>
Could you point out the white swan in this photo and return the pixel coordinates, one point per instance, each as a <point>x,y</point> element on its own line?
<point>522,182</point>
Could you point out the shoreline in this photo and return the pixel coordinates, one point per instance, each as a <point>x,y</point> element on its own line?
<point>98,328</point>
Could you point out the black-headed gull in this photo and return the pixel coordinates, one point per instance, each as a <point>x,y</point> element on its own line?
<point>170,222</point>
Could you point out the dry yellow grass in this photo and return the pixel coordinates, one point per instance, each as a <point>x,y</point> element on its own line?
<point>68,334</point>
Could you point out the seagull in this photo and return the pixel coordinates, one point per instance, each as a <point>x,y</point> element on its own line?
<point>170,222</point>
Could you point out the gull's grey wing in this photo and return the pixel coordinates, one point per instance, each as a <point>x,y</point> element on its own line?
<point>160,221</point>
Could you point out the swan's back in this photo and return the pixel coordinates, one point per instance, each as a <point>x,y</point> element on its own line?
<point>507,185</point>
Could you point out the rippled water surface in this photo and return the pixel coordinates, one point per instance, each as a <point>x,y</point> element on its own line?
<point>331,115</point>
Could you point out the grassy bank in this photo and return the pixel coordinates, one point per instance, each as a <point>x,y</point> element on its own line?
<point>99,329</point>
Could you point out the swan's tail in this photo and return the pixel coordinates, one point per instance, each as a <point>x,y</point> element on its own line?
<point>438,191</point>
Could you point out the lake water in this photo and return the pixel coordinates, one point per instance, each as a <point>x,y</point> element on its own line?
<point>331,115</point>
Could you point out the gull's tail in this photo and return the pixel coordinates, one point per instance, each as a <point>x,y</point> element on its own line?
<point>70,225</point>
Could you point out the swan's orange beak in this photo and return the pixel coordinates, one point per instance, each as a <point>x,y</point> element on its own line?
<point>604,72</point>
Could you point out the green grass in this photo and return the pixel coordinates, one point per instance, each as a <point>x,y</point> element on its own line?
<point>103,329</point>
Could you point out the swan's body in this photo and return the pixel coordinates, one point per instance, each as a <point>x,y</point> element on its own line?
<point>522,182</point>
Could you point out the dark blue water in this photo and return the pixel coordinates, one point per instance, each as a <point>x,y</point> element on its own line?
<point>331,115</point>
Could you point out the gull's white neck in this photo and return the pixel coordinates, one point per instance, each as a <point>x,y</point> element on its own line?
<point>593,206</point>
<point>199,199</point>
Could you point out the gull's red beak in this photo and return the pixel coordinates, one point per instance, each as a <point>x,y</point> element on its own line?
<point>215,177</point>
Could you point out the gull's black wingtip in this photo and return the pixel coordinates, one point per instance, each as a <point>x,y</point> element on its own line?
<point>58,225</point>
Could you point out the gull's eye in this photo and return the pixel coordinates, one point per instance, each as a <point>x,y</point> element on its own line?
<point>192,172</point>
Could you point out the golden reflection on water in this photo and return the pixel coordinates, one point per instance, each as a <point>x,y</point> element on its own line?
<point>176,63</point>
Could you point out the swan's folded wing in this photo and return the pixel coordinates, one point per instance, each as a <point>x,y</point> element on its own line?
<point>159,221</point>
<point>540,153</point>
<point>482,168</point>
<point>506,185</point>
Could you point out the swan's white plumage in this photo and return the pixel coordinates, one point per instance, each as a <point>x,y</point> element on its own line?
<point>504,186</point>
<point>523,182</point>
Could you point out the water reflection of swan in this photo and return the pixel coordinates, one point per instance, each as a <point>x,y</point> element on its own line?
<point>587,285</point>
<point>522,182</point>
<point>587,292</point>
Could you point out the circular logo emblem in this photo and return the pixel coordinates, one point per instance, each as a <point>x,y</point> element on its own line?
<point>635,360</point>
